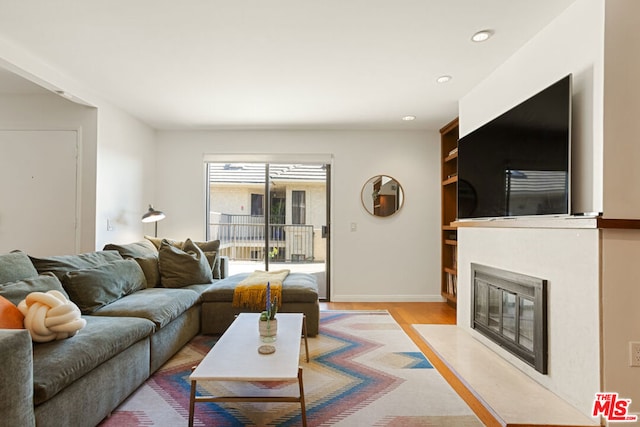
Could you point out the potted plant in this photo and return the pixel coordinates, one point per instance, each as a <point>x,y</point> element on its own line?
<point>268,324</point>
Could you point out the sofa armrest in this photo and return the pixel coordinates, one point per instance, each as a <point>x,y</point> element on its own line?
<point>224,267</point>
<point>16,374</point>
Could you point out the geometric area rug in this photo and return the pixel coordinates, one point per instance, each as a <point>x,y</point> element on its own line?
<point>363,371</point>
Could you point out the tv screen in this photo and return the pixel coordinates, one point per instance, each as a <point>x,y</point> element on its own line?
<point>518,164</point>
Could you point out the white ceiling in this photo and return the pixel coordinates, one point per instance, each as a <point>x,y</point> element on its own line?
<point>323,64</point>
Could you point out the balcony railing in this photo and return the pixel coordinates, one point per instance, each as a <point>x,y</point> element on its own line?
<point>242,238</point>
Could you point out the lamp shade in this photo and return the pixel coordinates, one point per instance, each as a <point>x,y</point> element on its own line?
<point>153,215</point>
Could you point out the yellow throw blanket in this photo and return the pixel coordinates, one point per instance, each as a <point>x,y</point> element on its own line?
<point>251,292</point>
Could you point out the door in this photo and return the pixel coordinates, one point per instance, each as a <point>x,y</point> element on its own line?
<point>271,216</point>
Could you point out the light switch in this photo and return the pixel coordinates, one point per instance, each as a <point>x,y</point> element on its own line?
<point>354,226</point>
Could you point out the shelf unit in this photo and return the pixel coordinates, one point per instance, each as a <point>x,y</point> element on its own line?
<point>449,233</point>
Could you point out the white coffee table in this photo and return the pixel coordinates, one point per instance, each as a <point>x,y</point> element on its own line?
<point>235,357</point>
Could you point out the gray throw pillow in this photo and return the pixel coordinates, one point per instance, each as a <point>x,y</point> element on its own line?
<point>145,254</point>
<point>16,266</point>
<point>211,250</point>
<point>184,266</point>
<point>62,264</point>
<point>93,288</point>
<point>18,290</point>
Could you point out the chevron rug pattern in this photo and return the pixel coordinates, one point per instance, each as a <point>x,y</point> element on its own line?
<point>364,371</point>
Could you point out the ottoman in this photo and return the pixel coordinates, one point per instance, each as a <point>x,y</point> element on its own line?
<point>299,295</point>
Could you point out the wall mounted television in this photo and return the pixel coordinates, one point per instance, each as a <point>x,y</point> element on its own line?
<point>518,164</point>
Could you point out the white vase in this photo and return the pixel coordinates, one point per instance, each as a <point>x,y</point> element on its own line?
<point>268,329</point>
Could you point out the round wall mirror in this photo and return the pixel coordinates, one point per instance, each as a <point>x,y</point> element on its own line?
<point>382,196</point>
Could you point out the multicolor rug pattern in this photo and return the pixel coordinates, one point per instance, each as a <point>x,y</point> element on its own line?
<point>364,371</point>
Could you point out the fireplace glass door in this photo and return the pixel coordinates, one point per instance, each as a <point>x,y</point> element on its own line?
<point>510,309</point>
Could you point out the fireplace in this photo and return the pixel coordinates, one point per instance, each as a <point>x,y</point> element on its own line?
<point>511,310</point>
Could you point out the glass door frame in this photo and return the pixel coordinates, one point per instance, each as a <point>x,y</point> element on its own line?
<point>267,160</point>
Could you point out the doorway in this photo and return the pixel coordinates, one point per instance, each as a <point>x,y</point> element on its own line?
<point>271,216</point>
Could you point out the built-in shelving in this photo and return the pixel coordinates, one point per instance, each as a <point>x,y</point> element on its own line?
<point>449,234</point>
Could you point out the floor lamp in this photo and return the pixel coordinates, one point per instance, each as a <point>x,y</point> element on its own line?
<point>153,215</point>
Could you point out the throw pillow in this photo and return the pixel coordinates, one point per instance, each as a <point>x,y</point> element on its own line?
<point>211,249</point>
<point>93,288</point>
<point>16,266</point>
<point>183,267</point>
<point>62,264</point>
<point>145,254</point>
<point>151,268</point>
<point>10,316</point>
<point>17,291</point>
<point>157,242</point>
<point>50,316</point>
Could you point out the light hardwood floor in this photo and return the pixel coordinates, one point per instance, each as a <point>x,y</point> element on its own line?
<point>410,313</point>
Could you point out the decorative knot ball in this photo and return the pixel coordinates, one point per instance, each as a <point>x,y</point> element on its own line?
<point>50,316</point>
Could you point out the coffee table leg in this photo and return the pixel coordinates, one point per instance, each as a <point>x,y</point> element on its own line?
<point>304,335</point>
<point>302,405</point>
<point>192,403</point>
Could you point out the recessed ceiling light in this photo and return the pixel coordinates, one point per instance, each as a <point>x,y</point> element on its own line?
<point>443,79</point>
<point>408,118</point>
<point>481,36</point>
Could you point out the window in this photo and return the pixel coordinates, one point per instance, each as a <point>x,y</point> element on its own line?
<point>298,211</point>
<point>257,204</point>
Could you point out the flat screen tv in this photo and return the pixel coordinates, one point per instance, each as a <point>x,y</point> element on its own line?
<point>518,164</point>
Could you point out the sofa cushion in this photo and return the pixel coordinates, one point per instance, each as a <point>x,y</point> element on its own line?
<point>159,305</point>
<point>17,291</point>
<point>182,267</point>
<point>16,266</point>
<point>93,288</point>
<point>62,264</point>
<point>57,364</point>
<point>146,255</point>
<point>10,316</point>
<point>297,287</point>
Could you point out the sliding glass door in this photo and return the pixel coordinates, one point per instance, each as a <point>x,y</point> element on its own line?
<point>271,216</point>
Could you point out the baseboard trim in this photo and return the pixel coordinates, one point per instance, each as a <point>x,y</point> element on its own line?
<point>386,298</point>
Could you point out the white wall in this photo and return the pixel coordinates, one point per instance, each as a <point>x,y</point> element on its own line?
<point>125,177</point>
<point>621,110</point>
<point>386,259</point>
<point>621,248</point>
<point>620,297</point>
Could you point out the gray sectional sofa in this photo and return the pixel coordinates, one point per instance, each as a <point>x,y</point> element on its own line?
<point>130,333</point>
<point>134,324</point>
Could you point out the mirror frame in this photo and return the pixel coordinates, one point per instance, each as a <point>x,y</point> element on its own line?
<point>368,197</point>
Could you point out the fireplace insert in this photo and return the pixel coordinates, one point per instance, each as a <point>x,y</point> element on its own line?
<point>511,310</point>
